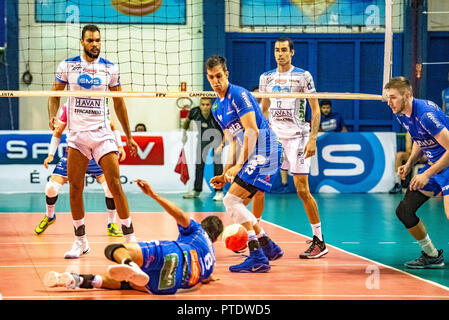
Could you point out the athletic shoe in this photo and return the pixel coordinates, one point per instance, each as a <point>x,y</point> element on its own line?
<point>54,279</point>
<point>114,231</point>
<point>316,249</point>
<point>43,225</point>
<point>128,272</point>
<point>257,262</point>
<point>426,261</point>
<point>219,195</point>
<point>272,251</point>
<point>79,248</point>
<point>192,195</point>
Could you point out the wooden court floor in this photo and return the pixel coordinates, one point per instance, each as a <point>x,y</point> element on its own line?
<point>340,275</point>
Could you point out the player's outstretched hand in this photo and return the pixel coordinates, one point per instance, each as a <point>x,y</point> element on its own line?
<point>218,182</point>
<point>145,187</point>
<point>48,160</point>
<point>132,145</point>
<point>122,153</point>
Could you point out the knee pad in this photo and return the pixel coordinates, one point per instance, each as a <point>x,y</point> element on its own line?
<point>107,192</point>
<point>52,188</point>
<point>109,250</point>
<point>110,204</point>
<point>406,210</point>
<point>235,207</point>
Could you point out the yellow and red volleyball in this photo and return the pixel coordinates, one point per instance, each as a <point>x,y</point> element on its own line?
<point>235,237</point>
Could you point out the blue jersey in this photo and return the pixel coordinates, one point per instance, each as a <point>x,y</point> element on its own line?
<point>178,264</point>
<point>425,122</point>
<point>263,164</point>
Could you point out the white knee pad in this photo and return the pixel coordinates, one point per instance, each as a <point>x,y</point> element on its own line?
<point>107,192</point>
<point>52,188</point>
<point>239,213</point>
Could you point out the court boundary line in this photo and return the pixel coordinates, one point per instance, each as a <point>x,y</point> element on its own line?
<point>365,258</point>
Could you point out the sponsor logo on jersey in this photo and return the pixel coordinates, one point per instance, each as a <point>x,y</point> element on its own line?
<point>87,82</point>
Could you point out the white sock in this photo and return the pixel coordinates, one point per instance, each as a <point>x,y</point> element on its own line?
<point>261,233</point>
<point>251,235</point>
<point>111,216</point>
<point>316,230</point>
<point>428,247</point>
<point>50,211</point>
<point>97,281</point>
<point>126,222</point>
<point>78,223</point>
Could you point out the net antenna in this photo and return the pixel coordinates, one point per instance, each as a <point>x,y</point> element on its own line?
<point>388,49</point>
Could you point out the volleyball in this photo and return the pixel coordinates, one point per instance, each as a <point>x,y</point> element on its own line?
<point>235,237</point>
<point>136,7</point>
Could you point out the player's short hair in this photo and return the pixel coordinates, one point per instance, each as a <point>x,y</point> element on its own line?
<point>213,227</point>
<point>325,102</point>
<point>290,42</point>
<point>89,27</point>
<point>216,60</point>
<point>401,84</point>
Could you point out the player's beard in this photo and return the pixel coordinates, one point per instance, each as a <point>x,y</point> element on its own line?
<point>91,55</point>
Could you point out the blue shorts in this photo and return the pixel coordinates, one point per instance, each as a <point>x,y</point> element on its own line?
<point>93,169</point>
<point>261,171</point>
<point>438,183</point>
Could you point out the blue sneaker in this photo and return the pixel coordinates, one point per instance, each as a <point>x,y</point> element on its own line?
<point>272,251</point>
<point>257,262</point>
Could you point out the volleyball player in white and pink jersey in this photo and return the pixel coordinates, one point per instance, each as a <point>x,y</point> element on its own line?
<point>89,133</point>
<point>59,177</point>
<point>298,137</point>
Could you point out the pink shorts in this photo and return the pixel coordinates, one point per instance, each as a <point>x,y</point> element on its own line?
<point>93,144</point>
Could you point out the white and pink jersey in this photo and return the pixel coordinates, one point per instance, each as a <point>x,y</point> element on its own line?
<point>87,113</point>
<point>288,115</point>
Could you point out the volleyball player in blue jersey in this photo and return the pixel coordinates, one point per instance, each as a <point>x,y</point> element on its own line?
<point>251,170</point>
<point>428,127</point>
<point>159,267</point>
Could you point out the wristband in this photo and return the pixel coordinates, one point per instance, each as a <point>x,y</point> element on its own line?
<point>54,143</point>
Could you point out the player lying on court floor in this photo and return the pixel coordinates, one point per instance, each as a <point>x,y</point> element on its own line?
<point>59,177</point>
<point>159,267</point>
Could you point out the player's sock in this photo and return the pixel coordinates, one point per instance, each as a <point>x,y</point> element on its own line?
<point>316,230</point>
<point>128,230</point>
<point>428,247</point>
<point>112,212</point>
<point>262,237</point>
<point>80,229</point>
<point>88,281</point>
<point>253,243</point>
<point>50,204</point>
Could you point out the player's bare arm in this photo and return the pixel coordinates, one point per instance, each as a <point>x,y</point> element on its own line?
<point>122,116</point>
<point>310,148</point>
<point>53,104</point>
<point>180,216</point>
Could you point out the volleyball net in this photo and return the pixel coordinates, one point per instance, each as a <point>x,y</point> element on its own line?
<point>161,46</point>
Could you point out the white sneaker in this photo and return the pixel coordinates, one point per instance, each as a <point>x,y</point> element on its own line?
<point>54,279</point>
<point>192,195</point>
<point>219,195</point>
<point>79,248</point>
<point>128,272</point>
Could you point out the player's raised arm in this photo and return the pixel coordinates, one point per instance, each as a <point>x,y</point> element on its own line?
<point>180,216</point>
